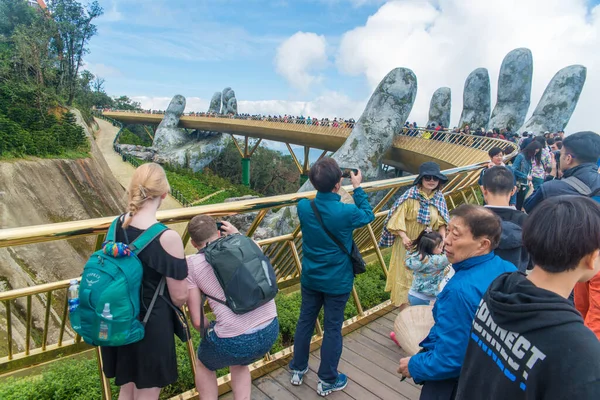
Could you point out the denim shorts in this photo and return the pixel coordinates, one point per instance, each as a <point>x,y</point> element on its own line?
<point>216,353</point>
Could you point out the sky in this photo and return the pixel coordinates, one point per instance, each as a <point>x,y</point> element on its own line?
<point>324,58</point>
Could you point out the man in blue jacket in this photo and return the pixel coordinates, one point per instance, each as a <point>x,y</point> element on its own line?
<point>472,235</point>
<point>327,274</point>
<point>578,157</point>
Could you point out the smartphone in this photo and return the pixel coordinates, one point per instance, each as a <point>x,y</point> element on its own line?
<point>346,172</point>
<point>219,225</point>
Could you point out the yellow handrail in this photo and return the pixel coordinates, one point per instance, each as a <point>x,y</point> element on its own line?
<point>285,252</point>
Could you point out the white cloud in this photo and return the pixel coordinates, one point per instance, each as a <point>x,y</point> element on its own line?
<point>442,41</point>
<point>102,70</point>
<point>161,103</point>
<point>299,56</point>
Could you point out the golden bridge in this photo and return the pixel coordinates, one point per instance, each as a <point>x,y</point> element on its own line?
<point>405,154</point>
<point>368,357</point>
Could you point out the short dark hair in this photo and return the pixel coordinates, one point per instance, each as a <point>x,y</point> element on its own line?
<point>561,231</point>
<point>498,180</point>
<point>325,174</point>
<point>584,146</point>
<point>201,228</point>
<point>558,144</point>
<point>550,141</point>
<point>481,222</point>
<point>494,151</point>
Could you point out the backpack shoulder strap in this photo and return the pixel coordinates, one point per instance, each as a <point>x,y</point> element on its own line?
<point>578,185</point>
<point>111,235</point>
<point>146,237</point>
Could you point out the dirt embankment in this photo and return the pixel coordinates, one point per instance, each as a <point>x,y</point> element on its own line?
<point>34,192</point>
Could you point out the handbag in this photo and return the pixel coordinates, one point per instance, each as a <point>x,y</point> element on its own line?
<point>358,264</point>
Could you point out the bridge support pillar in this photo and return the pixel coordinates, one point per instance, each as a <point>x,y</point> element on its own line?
<point>246,171</point>
<point>246,153</point>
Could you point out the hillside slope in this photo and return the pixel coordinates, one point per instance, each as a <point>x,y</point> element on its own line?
<point>40,191</point>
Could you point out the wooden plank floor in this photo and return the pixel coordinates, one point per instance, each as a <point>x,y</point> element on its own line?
<point>369,359</point>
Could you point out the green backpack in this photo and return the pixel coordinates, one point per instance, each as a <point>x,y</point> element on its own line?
<point>109,292</point>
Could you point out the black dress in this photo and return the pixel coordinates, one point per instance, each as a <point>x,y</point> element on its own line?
<point>151,362</point>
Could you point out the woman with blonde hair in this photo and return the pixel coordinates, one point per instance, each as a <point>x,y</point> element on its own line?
<point>142,368</point>
<point>421,206</point>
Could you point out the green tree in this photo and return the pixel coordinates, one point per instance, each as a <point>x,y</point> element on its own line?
<point>125,103</point>
<point>75,29</point>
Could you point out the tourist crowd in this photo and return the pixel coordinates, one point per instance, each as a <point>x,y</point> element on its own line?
<point>518,319</point>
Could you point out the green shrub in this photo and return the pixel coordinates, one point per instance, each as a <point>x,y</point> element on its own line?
<point>128,137</point>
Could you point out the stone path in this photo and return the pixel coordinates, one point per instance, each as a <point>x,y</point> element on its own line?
<point>122,170</point>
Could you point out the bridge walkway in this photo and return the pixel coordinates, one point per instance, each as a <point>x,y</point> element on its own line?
<point>369,359</point>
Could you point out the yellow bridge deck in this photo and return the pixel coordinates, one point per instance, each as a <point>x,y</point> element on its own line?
<point>369,359</point>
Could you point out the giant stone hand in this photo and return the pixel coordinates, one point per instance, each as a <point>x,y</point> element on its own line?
<point>514,94</point>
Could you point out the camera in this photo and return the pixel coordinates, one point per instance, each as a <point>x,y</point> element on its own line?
<point>346,172</point>
<point>219,225</point>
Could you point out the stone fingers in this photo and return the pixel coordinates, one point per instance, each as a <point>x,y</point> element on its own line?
<point>476,100</point>
<point>558,102</point>
<point>384,116</point>
<point>167,134</point>
<point>440,106</point>
<point>514,90</point>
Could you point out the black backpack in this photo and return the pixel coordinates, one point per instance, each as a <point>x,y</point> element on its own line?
<point>243,271</point>
<point>511,247</point>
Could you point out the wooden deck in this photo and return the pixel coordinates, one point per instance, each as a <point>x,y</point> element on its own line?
<point>369,359</point>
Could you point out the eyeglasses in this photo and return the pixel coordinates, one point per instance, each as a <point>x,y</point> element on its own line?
<point>430,178</point>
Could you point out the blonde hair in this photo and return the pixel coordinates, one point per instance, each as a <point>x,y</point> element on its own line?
<point>148,182</point>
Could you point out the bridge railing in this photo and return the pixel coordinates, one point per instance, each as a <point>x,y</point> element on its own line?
<point>42,309</point>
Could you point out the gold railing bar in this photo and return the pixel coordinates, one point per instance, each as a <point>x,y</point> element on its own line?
<point>296,257</point>
<point>99,240</point>
<point>275,240</point>
<point>28,327</point>
<point>357,302</point>
<point>106,393</point>
<point>319,328</point>
<point>377,250</point>
<point>8,328</point>
<point>63,321</point>
<point>46,319</point>
<point>385,199</point>
<point>257,220</point>
<point>33,290</point>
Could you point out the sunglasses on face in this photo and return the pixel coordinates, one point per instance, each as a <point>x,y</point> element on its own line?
<point>431,178</point>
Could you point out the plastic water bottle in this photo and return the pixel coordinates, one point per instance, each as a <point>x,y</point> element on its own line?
<point>73,299</point>
<point>104,331</point>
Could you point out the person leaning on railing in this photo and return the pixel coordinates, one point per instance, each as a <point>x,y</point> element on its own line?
<point>327,275</point>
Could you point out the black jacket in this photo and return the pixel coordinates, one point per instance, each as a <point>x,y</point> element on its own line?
<point>529,343</point>
<point>511,242</point>
<point>587,173</point>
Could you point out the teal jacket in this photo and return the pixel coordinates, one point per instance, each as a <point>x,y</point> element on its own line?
<point>325,268</point>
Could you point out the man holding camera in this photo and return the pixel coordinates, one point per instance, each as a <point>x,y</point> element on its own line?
<point>327,272</point>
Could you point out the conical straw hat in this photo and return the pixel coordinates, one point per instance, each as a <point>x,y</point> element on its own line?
<point>412,325</point>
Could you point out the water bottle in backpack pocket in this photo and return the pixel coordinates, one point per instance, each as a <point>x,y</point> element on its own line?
<point>109,292</point>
